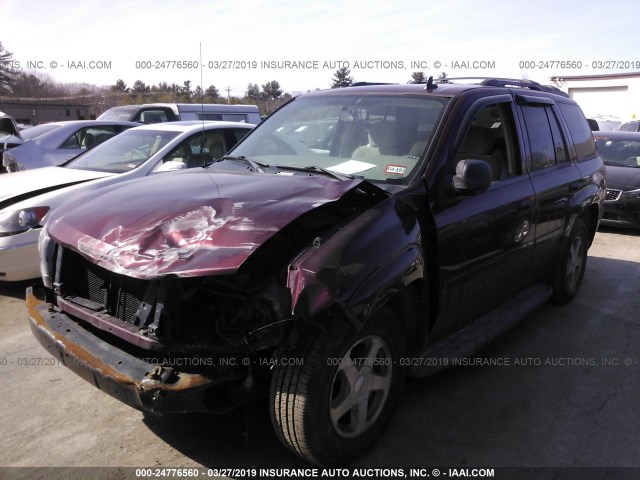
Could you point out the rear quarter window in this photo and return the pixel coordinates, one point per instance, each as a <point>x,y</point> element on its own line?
<point>579,130</point>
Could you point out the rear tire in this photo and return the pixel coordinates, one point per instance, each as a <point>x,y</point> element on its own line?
<point>335,393</point>
<point>573,261</point>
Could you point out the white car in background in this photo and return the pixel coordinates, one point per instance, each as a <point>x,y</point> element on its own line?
<point>27,197</point>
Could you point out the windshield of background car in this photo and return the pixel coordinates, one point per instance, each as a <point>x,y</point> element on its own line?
<point>117,114</point>
<point>376,137</point>
<point>33,132</point>
<point>619,152</point>
<point>124,152</point>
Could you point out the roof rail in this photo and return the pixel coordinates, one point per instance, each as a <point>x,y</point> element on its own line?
<point>512,82</point>
<point>364,84</point>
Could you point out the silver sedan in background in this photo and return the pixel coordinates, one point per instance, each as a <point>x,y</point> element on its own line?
<point>54,143</point>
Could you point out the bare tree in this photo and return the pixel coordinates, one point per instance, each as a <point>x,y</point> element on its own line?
<point>36,84</point>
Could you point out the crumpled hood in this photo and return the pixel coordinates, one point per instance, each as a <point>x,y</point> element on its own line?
<point>189,223</point>
<point>623,178</point>
<point>40,180</point>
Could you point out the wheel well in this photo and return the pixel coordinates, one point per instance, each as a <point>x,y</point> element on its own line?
<point>411,306</point>
<point>590,217</point>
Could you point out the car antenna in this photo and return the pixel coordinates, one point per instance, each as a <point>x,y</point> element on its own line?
<point>430,84</point>
<point>204,160</point>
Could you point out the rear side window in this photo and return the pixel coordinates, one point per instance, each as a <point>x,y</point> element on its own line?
<point>89,137</point>
<point>630,127</point>
<point>547,145</point>
<point>579,129</point>
<point>153,116</point>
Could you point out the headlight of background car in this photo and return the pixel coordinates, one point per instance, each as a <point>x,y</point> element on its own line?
<point>46,248</point>
<point>18,221</point>
<point>10,163</point>
<point>630,194</point>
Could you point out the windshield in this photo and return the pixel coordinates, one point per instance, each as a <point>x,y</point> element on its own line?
<point>124,152</point>
<point>376,137</point>
<point>619,152</point>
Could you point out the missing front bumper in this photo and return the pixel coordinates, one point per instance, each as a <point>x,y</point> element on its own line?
<point>143,385</point>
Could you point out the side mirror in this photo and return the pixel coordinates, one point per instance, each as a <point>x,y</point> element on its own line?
<point>472,177</point>
<point>170,166</point>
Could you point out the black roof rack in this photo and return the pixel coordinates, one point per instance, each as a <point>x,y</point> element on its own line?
<point>512,82</point>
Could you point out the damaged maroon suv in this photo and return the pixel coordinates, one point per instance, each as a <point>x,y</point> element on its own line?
<point>356,237</point>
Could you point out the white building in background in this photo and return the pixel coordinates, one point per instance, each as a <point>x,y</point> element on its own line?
<point>603,97</point>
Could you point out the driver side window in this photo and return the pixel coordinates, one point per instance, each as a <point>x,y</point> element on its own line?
<point>490,137</point>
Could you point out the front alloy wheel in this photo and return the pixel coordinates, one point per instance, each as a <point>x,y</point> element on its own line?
<point>336,391</point>
<point>361,386</point>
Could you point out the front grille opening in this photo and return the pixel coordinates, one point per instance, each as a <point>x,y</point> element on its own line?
<point>212,312</point>
<point>117,295</point>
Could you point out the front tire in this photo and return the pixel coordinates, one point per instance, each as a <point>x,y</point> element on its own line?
<point>573,262</point>
<point>336,392</point>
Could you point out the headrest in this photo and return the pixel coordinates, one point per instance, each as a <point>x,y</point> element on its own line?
<point>479,140</point>
<point>382,135</point>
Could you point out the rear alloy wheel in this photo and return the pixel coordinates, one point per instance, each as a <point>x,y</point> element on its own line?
<point>572,264</point>
<point>331,404</point>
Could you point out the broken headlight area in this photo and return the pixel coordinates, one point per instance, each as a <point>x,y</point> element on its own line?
<point>216,314</point>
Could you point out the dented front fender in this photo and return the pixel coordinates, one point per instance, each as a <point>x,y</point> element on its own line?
<point>362,265</point>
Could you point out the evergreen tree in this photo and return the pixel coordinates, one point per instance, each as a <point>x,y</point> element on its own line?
<point>272,90</point>
<point>442,78</point>
<point>341,78</point>
<point>417,77</point>
<point>212,93</point>
<point>7,72</point>
<point>120,86</point>
<point>253,92</point>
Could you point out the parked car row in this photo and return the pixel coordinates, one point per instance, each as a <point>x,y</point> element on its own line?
<point>356,237</point>
<point>54,143</point>
<point>171,112</point>
<point>620,152</point>
<point>26,198</point>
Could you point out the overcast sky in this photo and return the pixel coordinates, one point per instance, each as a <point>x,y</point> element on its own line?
<point>236,37</point>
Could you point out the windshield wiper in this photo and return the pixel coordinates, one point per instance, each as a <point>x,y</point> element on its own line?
<point>315,169</point>
<point>257,166</point>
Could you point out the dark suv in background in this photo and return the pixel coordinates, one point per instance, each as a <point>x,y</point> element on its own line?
<point>412,225</point>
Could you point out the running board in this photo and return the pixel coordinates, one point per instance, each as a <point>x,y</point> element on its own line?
<point>480,332</point>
